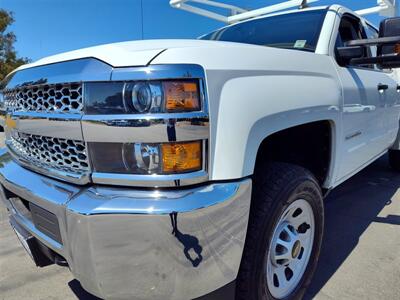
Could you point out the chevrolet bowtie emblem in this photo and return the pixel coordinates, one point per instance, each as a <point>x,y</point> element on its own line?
<point>10,122</point>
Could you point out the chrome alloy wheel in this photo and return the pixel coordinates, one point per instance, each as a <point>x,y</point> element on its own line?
<point>290,249</point>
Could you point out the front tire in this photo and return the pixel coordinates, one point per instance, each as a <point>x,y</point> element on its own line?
<point>284,234</point>
<point>394,159</point>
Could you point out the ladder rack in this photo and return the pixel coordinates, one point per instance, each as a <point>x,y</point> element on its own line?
<point>388,8</point>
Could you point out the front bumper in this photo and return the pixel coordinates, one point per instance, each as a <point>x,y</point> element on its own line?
<point>119,242</point>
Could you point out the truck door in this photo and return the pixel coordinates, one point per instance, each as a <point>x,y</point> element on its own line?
<point>366,91</point>
<point>392,99</point>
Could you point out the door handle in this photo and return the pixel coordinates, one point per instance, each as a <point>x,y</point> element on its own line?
<point>382,87</point>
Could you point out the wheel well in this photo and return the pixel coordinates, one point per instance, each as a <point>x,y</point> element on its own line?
<point>307,145</point>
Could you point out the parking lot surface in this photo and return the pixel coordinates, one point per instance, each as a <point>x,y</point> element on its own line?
<point>360,257</point>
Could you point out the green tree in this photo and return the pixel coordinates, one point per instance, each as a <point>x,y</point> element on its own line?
<point>8,56</point>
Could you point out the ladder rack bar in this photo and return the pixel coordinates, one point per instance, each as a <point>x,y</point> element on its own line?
<point>221,5</point>
<point>237,14</point>
<point>369,11</point>
<point>267,10</point>
<point>203,12</point>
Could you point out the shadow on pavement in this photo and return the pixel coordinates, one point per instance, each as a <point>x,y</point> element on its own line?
<point>79,292</point>
<point>349,210</point>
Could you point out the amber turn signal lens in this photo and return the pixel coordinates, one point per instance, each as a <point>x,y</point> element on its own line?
<point>181,157</point>
<point>181,96</point>
<point>397,49</point>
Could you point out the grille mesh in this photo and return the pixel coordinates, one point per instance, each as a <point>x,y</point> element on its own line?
<point>48,152</point>
<point>65,98</point>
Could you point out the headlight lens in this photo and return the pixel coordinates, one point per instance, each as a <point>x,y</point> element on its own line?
<point>140,97</point>
<point>147,158</point>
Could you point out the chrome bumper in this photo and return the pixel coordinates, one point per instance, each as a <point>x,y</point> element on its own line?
<point>139,244</point>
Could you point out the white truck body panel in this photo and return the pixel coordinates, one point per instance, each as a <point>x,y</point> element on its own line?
<point>259,94</point>
<point>275,80</point>
<point>127,54</point>
<point>255,91</point>
<point>376,120</point>
<point>108,230</point>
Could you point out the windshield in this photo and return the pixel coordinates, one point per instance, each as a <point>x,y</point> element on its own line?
<point>298,31</point>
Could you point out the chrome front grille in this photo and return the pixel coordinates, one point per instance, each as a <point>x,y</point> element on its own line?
<point>49,152</point>
<point>64,98</point>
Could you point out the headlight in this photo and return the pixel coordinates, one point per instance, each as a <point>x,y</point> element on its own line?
<point>140,97</point>
<point>162,108</point>
<point>147,158</point>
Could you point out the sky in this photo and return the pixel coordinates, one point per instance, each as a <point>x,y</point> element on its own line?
<point>47,27</point>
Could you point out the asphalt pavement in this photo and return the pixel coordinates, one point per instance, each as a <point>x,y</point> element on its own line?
<point>360,258</point>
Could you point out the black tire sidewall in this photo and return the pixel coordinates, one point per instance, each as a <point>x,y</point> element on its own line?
<point>306,188</point>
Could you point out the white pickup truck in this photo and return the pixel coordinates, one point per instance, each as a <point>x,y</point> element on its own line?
<point>183,169</point>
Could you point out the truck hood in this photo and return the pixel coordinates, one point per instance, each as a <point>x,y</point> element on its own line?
<point>124,54</point>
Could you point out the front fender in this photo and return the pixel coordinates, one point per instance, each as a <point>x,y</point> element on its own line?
<point>252,107</point>
<point>254,91</point>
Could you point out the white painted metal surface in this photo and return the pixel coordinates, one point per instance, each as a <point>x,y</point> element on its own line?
<point>255,95</point>
<point>365,130</point>
<point>255,91</point>
<point>270,89</point>
<point>134,53</point>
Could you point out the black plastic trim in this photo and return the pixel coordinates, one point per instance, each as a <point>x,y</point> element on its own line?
<point>41,255</point>
<point>46,222</point>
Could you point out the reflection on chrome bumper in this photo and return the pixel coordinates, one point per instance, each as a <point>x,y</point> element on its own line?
<point>144,244</point>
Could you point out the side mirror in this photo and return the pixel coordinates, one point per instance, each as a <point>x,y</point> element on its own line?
<point>346,54</point>
<point>388,44</point>
<point>389,28</point>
